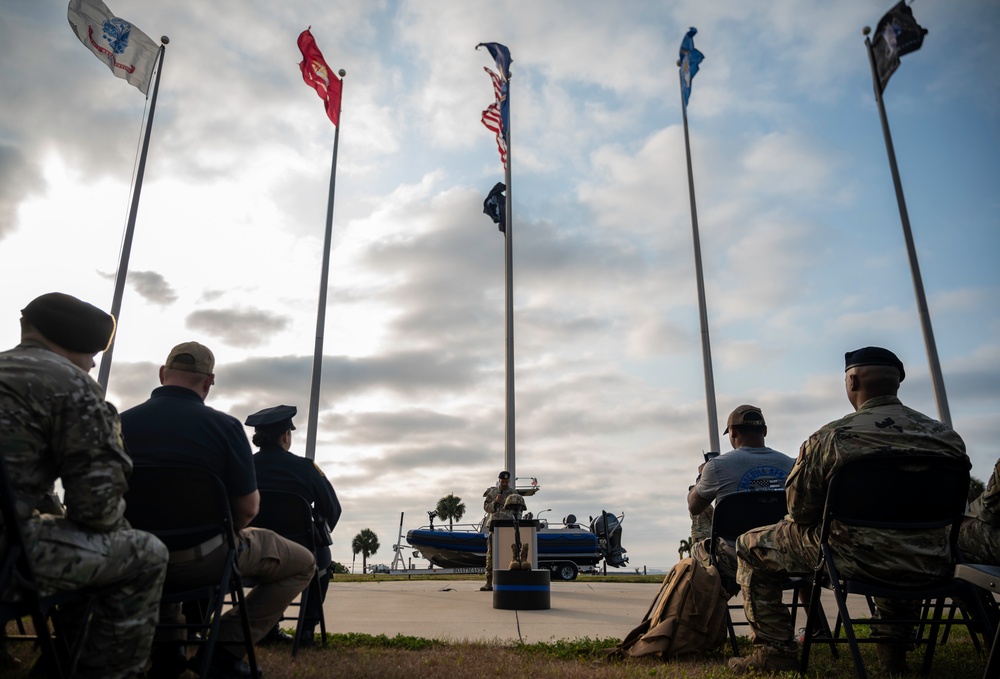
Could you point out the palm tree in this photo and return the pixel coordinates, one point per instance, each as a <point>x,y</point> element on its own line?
<point>365,543</point>
<point>452,508</point>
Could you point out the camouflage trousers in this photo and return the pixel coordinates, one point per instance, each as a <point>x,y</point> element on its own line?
<point>979,541</point>
<point>489,558</point>
<point>768,555</point>
<point>725,561</point>
<point>125,567</point>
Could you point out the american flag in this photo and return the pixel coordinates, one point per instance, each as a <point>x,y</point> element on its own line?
<point>493,117</point>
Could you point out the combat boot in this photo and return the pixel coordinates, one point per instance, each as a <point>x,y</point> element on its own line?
<point>488,587</point>
<point>892,658</point>
<point>765,659</point>
<point>525,564</point>
<point>515,564</point>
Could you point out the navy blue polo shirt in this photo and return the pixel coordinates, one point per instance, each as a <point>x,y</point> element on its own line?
<point>175,427</point>
<point>278,469</point>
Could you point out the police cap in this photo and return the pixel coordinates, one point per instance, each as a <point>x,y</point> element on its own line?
<point>278,418</point>
<point>873,356</point>
<point>71,323</point>
<point>504,475</point>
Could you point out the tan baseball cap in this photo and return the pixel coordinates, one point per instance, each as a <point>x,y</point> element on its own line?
<point>745,414</point>
<point>192,357</point>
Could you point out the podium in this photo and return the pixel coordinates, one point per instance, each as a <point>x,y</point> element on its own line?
<point>520,589</point>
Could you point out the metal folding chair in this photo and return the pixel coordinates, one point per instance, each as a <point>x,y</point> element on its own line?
<point>59,654</point>
<point>184,507</point>
<point>906,492</point>
<point>737,513</point>
<point>290,516</point>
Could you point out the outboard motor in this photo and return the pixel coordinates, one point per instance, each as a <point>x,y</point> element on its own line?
<point>608,529</point>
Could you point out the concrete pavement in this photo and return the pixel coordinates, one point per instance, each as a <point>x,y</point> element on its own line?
<point>455,610</point>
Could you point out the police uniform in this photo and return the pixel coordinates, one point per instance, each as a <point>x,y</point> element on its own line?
<point>979,537</point>
<point>176,427</point>
<point>493,503</point>
<point>56,424</point>
<point>791,547</point>
<point>279,469</point>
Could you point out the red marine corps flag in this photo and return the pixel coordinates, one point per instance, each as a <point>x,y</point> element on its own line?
<point>127,51</point>
<point>318,76</point>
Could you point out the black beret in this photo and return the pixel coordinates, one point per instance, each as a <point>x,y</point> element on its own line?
<point>278,418</point>
<point>873,356</point>
<point>504,475</point>
<point>71,323</point>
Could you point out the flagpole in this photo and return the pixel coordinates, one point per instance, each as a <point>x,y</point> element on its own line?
<point>321,312</point>
<point>509,448</point>
<point>706,351</point>
<point>937,381</point>
<point>116,303</point>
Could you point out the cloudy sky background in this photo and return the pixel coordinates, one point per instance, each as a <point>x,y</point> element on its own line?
<point>802,248</point>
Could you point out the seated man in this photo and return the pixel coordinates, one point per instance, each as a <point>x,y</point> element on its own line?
<point>881,425</point>
<point>57,425</point>
<point>749,466</point>
<point>279,469</point>
<point>176,427</point>
<point>979,536</point>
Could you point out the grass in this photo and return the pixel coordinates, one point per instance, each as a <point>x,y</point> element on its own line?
<point>364,656</point>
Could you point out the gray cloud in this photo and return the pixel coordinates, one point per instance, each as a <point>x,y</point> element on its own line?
<point>237,327</point>
<point>19,178</point>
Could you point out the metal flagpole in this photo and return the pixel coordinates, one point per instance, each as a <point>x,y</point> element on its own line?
<point>937,381</point>
<point>321,312</point>
<point>509,449</point>
<point>706,351</point>
<point>116,303</point>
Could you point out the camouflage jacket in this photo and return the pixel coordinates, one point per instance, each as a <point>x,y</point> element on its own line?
<point>980,535</point>
<point>490,507</point>
<point>54,423</point>
<point>986,507</point>
<point>881,426</point>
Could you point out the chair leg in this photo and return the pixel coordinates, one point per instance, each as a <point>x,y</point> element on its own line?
<point>322,615</point>
<point>245,619</point>
<point>301,618</point>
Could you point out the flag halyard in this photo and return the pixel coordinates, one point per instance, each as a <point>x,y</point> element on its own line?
<point>127,51</point>
<point>318,75</point>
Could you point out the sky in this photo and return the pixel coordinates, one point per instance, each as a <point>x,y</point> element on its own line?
<point>802,247</point>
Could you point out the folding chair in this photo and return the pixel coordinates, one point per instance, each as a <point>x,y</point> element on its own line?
<point>290,516</point>
<point>737,513</point>
<point>58,655</point>
<point>907,492</point>
<point>185,507</point>
<point>986,577</point>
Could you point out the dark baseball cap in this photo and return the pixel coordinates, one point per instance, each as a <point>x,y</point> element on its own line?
<point>745,414</point>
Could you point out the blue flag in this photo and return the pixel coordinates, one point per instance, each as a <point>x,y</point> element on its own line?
<point>690,59</point>
<point>501,55</point>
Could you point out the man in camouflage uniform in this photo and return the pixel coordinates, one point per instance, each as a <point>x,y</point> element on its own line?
<point>493,502</point>
<point>56,424</point>
<point>979,536</point>
<point>881,425</point>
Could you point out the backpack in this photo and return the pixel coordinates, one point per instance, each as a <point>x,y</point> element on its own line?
<point>687,616</point>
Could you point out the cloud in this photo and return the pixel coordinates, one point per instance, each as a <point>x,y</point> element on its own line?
<point>246,328</point>
<point>18,178</point>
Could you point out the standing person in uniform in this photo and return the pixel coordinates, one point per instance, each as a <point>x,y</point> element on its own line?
<point>57,425</point>
<point>881,425</point>
<point>749,466</point>
<point>175,427</point>
<point>979,536</point>
<point>493,502</point>
<point>279,469</point>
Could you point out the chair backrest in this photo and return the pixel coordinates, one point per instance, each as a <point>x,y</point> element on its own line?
<point>287,514</point>
<point>902,492</point>
<point>737,513</point>
<point>183,506</point>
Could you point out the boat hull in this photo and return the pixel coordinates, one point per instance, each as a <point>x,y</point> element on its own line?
<point>465,549</point>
